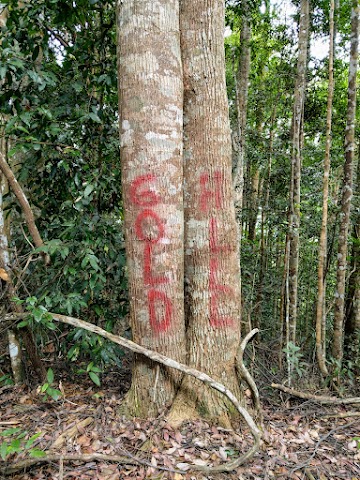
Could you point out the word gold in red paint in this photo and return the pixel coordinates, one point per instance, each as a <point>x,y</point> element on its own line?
<point>208,194</point>
<point>145,198</point>
<point>149,217</point>
<point>155,296</point>
<point>211,194</point>
<point>149,278</point>
<point>150,229</point>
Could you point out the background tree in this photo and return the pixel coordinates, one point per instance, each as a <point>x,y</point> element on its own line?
<point>320,305</point>
<point>346,195</point>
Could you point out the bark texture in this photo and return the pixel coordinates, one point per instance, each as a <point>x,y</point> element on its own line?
<point>151,122</point>
<point>294,216</point>
<point>211,237</point>
<point>320,305</point>
<point>346,195</point>
<point>242,88</point>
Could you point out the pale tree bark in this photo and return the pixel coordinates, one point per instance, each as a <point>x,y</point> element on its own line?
<point>346,195</point>
<point>264,233</point>
<point>242,88</point>
<point>211,237</point>
<point>5,275</point>
<point>151,123</point>
<point>320,304</point>
<point>294,206</point>
<point>352,313</point>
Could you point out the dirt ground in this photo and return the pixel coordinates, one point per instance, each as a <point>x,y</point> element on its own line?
<point>302,440</point>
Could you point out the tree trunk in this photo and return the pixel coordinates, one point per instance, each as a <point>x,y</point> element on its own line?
<point>211,237</point>
<point>151,122</point>
<point>352,309</point>
<point>242,87</point>
<point>320,304</point>
<point>294,212</point>
<point>263,234</point>
<point>337,347</point>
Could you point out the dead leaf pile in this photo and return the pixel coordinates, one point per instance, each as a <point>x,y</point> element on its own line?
<point>298,444</point>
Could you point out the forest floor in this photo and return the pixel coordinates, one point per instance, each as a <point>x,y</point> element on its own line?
<point>302,440</point>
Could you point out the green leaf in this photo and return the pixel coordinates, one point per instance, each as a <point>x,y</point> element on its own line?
<point>22,324</point>
<point>44,387</point>
<point>54,393</point>
<point>32,440</point>
<point>94,262</point>
<point>90,366</point>
<point>50,375</point>
<point>95,378</point>
<point>15,445</point>
<point>89,188</point>
<point>3,71</point>
<point>10,431</point>
<point>37,453</point>
<point>3,450</point>
<point>94,117</point>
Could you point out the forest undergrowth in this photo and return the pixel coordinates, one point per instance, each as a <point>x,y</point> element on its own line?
<point>86,438</point>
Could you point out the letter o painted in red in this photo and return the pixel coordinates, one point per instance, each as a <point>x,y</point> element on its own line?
<point>141,235</point>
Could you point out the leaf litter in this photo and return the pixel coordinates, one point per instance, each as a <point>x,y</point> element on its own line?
<point>299,443</point>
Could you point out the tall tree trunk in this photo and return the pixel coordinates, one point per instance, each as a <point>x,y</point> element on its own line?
<point>352,313</point>
<point>337,347</point>
<point>294,211</point>
<point>5,275</point>
<point>242,87</point>
<point>211,240</point>
<point>151,123</point>
<point>263,234</point>
<point>320,304</point>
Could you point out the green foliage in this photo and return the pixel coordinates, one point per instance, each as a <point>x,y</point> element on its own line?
<point>6,379</point>
<point>18,441</point>
<point>92,371</point>
<point>59,98</point>
<point>47,389</point>
<point>295,359</point>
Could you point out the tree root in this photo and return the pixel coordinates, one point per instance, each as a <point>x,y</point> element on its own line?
<point>158,357</point>
<point>317,398</point>
<point>245,374</point>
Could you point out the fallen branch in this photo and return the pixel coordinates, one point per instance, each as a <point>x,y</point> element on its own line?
<point>342,415</point>
<point>125,459</point>
<point>20,195</point>
<point>203,377</point>
<point>71,432</point>
<point>317,398</point>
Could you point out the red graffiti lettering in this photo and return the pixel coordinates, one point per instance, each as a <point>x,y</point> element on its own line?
<point>149,278</point>
<point>207,194</point>
<point>216,289</point>
<point>143,198</point>
<point>214,245</point>
<point>160,317</point>
<point>139,222</point>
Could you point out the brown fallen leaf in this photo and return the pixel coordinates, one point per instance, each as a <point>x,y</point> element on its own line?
<point>4,276</point>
